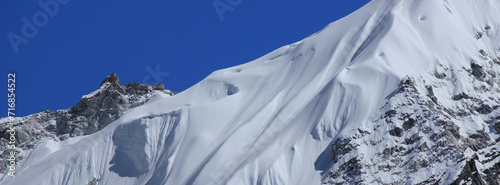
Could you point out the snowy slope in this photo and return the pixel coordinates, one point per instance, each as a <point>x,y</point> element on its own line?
<point>274,120</point>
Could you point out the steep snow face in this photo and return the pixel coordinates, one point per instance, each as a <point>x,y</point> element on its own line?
<point>92,113</point>
<point>276,120</point>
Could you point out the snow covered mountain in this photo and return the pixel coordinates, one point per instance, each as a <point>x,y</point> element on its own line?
<point>398,92</point>
<point>92,113</point>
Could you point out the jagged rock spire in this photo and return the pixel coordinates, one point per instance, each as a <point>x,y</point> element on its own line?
<point>112,78</point>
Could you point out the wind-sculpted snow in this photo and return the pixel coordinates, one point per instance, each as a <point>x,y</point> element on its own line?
<point>378,97</point>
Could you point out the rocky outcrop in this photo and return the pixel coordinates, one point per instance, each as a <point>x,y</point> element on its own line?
<point>470,173</point>
<point>159,86</point>
<point>92,113</point>
<point>422,129</point>
<point>112,78</point>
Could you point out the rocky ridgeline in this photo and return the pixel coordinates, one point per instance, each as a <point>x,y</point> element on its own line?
<point>425,132</point>
<point>92,113</point>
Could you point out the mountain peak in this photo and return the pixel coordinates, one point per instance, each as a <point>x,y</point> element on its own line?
<point>92,113</point>
<point>398,92</point>
<point>112,78</point>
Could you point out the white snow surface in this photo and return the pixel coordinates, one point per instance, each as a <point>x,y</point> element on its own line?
<point>269,120</point>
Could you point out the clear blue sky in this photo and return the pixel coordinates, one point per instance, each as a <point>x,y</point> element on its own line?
<point>77,46</point>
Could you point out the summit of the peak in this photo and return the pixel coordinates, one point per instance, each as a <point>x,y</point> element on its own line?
<point>112,78</point>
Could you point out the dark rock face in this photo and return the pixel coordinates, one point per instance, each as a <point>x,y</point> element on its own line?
<point>478,140</point>
<point>470,174</point>
<point>497,126</point>
<point>350,170</point>
<point>341,147</point>
<point>461,96</point>
<point>493,174</point>
<point>412,139</point>
<point>112,78</point>
<point>408,124</point>
<point>478,71</point>
<point>159,86</point>
<point>406,84</point>
<point>484,109</point>
<point>390,113</point>
<point>388,152</point>
<point>439,75</point>
<point>137,88</point>
<point>92,113</point>
<point>427,133</point>
<point>396,132</point>
<point>482,52</point>
<point>430,94</point>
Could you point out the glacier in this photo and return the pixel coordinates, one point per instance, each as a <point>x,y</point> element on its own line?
<point>277,119</point>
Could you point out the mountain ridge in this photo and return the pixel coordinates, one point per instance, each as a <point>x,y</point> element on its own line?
<point>396,92</point>
<point>93,112</point>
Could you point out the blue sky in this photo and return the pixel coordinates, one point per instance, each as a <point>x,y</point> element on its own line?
<point>66,52</point>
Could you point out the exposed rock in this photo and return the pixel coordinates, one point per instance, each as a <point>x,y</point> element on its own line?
<point>484,109</point>
<point>497,126</point>
<point>478,140</point>
<point>483,52</point>
<point>137,88</point>
<point>340,147</point>
<point>423,147</point>
<point>477,71</point>
<point>397,131</point>
<point>450,127</point>
<point>349,171</point>
<point>409,123</point>
<point>93,181</point>
<point>417,164</point>
<point>110,102</point>
<point>430,94</point>
<point>412,139</point>
<point>91,114</point>
<point>76,132</point>
<point>407,83</point>
<point>469,174</point>
<point>479,35</point>
<point>112,78</point>
<point>159,86</point>
<point>433,139</point>
<point>390,113</point>
<point>390,151</point>
<point>492,174</point>
<point>440,75</point>
<point>461,96</point>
